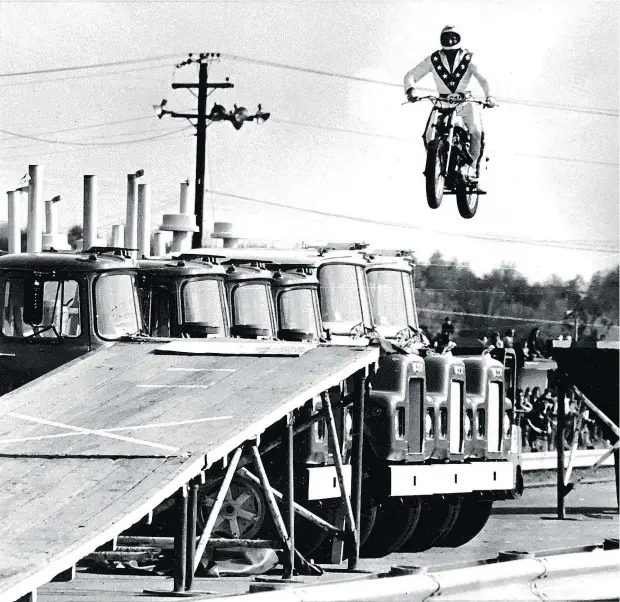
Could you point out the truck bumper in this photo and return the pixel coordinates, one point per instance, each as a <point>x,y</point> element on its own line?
<point>323,482</point>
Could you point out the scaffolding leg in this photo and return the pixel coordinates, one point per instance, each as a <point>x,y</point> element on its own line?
<point>191,534</point>
<point>356,461</point>
<point>561,487</point>
<point>290,498</point>
<point>180,542</point>
<point>335,449</point>
<point>273,509</point>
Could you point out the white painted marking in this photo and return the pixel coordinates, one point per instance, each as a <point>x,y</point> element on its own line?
<point>86,431</point>
<point>118,428</point>
<point>174,386</point>
<point>201,369</point>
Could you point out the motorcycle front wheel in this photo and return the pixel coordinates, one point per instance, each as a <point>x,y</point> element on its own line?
<point>434,172</point>
<point>466,199</point>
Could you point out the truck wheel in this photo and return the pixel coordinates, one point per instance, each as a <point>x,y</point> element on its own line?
<point>396,521</point>
<point>472,517</point>
<point>435,173</point>
<point>438,515</point>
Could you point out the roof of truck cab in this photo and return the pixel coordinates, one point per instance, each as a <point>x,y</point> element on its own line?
<point>65,262</point>
<point>178,267</point>
<point>283,257</point>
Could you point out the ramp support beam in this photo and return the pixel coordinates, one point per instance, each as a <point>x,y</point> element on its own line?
<point>180,542</point>
<point>335,449</point>
<point>559,445</point>
<point>290,497</point>
<point>356,460</point>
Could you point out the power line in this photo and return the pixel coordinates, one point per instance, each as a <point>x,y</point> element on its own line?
<point>163,57</point>
<point>120,142</point>
<point>405,226</point>
<point>82,76</point>
<point>408,139</point>
<point>367,80</point>
<point>511,318</point>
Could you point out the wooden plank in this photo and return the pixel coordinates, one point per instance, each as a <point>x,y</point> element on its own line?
<point>63,482</point>
<point>236,347</point>
<point>30,570</point>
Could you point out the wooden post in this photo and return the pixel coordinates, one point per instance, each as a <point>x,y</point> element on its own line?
<point>191,534</point>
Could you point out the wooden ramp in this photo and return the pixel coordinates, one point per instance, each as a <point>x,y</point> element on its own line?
<point>88,450</point>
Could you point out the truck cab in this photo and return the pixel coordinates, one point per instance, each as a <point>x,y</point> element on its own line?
<point>183,298</point>
<point>58,306</point>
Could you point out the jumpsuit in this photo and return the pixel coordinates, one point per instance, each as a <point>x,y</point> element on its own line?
<point>455,80</point>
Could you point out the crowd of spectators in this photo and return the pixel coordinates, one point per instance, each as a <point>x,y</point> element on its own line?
<point>538,417</point>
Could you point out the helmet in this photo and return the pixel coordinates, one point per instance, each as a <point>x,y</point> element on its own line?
<point>450,37</point>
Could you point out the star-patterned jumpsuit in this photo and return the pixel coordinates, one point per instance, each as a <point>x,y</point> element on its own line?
<point>452,81</point>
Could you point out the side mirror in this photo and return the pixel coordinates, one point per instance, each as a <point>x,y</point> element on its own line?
<point>33,301</point>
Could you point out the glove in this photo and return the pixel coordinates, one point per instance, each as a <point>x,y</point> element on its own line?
<point>491,102</point>
<point>411,95</point>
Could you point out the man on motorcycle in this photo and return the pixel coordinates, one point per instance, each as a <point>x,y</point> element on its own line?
<point>452,68</point>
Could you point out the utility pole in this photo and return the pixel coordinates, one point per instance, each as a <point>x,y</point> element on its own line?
<point>200,120</point>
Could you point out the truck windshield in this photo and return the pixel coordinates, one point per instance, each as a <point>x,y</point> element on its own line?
<point>388,299</point>
<point>116,306</point>
<point>474,378</point>
<point>297,311</point>
<point>203,302</point>
<point>341,298</point>
<point>60,315</point>
<point>251,306</point>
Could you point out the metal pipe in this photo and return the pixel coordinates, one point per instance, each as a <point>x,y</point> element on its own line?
<point>89,235</point>
<point>290,497</point>
<point>217,506</point>
<point>184,200</point>
<point>159,244</point>
<point>14,222</point>
<point>51,217</point>
<point>271,501</point>
<point>180,542</point>
<point>118,235</point>
<point>335,449</point>
<point>356,459</point>
<point>35,209</point>
<point>144,220</point>
<point>559,445</point>
<point>303,512</point>
<point>131,220</point>
<point>191,535</point>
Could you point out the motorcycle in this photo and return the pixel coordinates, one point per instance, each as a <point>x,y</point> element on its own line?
<point>447,155</point>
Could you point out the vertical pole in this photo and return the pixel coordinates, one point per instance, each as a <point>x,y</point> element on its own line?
<point>14,219</point>
<point>180,541</point>
<point>191,534</point>
<point>201,143</point>
<point>559,444</point>
<point>35,209</point>
<point>131,220</point>
<point>144,220</point>
<point>290,498</point>
<point>117,235</point>
<point>356,460</point>
<point>90,212</point>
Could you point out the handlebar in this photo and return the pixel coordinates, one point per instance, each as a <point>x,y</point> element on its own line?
<point>454,100</point>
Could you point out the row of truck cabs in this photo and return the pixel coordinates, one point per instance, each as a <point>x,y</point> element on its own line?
<point>440,438</point>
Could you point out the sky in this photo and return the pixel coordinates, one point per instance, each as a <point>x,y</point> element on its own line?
<point>339,142</point>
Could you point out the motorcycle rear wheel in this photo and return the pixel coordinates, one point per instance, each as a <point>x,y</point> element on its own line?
<point>466,200</point>
<point>434,172</point>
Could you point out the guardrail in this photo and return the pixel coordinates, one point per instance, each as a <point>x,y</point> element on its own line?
<point>548,460</point>
<point>558,576</point>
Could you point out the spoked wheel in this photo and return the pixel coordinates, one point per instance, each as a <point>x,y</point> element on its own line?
<point>243,512</point>
<point>438,515</point>
<point>466,199</point>
<point>434,172</point>
<point>396,521</point>
<point>472,517</point>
